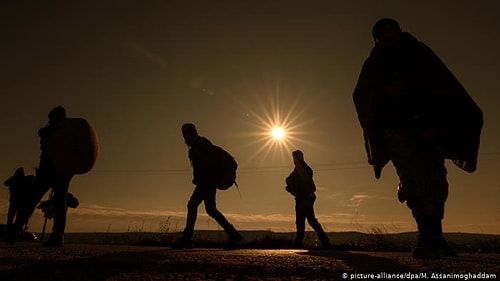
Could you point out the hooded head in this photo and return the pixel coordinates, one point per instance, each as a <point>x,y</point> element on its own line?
<point>57,114</point>
<point>387,33</point>
<point>189,133</point>
<point>19,172</point>
<point>298,157</point>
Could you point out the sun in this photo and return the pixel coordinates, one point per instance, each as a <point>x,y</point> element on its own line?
<point>278,133</point>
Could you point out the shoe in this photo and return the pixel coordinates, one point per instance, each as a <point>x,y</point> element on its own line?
<point>428,248</point>
<point>298,245</point>
<point>402,193</point>
<point>11,235</point>
<point>427,253</point>
<point>232,241</point>
<point>26,236</point>
<point>54,241</point>
<point>183,243</point>
<point>326,246</point>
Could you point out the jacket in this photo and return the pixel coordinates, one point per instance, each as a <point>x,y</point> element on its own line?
<point>201,154</point>
<point>300,182</point>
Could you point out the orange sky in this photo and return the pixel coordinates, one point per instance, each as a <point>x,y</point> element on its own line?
<point>138,71</point>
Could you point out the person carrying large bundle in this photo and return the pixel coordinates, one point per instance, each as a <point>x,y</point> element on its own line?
<point>68,146</point>
<point>415,113</point>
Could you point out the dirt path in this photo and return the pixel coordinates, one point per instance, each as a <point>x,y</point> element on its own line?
<point>97,262</point>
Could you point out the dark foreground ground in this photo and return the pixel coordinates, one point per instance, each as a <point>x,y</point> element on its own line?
<point>30,261</point>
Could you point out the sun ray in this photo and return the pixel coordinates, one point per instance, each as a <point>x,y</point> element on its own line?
<point>278,126</point>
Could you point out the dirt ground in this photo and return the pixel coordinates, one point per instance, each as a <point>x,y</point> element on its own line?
<point>30,261</point>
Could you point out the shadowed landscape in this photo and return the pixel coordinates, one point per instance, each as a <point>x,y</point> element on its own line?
<point>29,261</point>
<point>264,255</point>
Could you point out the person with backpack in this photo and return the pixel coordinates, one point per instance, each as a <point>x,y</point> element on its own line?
<point>210,173</point>
<point>301,185</point>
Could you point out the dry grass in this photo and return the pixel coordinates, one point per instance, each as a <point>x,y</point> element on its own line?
<point>369,239</point>
<point>375,241</point>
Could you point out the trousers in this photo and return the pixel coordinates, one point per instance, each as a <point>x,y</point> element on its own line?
<point>207,195</point>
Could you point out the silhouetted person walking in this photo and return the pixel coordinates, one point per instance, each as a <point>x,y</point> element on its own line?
<point>205,177</point>
<point>46,178</point>
<point>415,113</point>
<point>301,185</point>
<point>19,189</point>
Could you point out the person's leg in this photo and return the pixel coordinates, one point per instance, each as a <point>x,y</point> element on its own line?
<point>60,189</point>
<point>211,208</point>
<point>438,197</point>
<point>427,246</point>
<point>212,211</point>
<point>27,206</point>
<point>192,213</point>
<point>423,186</point>
<point>314,223</point>
<point>429,191</point>
<point>300,223</point>
<point>11,213</point>
<point>428,212</point>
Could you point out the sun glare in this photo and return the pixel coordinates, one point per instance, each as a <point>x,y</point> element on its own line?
<point>278,133</point>
<point>281,124</point>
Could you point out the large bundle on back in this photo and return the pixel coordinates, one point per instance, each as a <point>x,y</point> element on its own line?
<point>73,148</point>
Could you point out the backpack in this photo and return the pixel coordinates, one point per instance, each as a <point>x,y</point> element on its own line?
<point>226,168</point>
